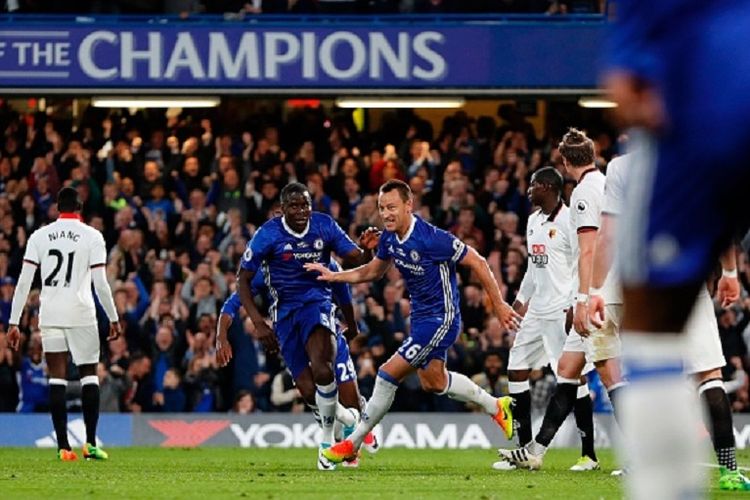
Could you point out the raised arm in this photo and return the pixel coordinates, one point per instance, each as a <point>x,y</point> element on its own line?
<point>478,264</point>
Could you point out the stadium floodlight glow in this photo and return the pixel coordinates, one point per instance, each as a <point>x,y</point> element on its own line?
<point>596,103</point>
<point>398,102</point>
<point>155,102</point>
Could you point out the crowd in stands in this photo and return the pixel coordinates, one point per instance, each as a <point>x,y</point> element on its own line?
<point>177,198</point>
<point>235,9</point>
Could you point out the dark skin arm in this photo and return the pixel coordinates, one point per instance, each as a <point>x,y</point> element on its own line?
<point>352,330</point>
<point>223,348</point>
<point>368,240</point>
<point>265,334</point>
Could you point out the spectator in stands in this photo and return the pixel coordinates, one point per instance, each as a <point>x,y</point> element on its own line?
<point>111,388</point>
<point>8,385</point>
<point>34,389</point>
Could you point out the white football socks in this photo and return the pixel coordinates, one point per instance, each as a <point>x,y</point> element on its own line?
<point>462,388</point>
<point>326,398</point>
<point>659,420</point>
<point>377,407</point>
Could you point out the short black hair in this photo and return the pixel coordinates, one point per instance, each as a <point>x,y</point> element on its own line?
<point>549,176</point>
<point>577,148</point>
<point>292,188</point>
<point>67,200</point>
<point>403,189</point>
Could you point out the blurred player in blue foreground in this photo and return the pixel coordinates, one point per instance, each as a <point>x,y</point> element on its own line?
<point>680,70</point>
<point>346,376</point>
<point>426,257</point>
<point>302,310</point>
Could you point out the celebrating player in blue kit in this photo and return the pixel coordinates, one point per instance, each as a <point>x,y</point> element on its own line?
<point>346,376</point>
<point>301,309</point>
<point>426,257</point>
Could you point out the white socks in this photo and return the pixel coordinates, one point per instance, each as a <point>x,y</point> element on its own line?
<point>377,407</point>
<point>462,388</point>
<point>583,391</point>
<point>659,420</point>
<point>519,387</point>
<point>326,398</point>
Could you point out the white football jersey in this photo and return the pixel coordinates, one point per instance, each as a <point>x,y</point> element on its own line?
<point>614,194</point>
<point>65,251</point>
<point>549,276</point>
<point>585,210</point>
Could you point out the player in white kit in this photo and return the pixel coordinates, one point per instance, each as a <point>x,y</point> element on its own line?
<point>599,346</point>
<point>545,296</point>
<point>703,354</point>
<point>70,256</point>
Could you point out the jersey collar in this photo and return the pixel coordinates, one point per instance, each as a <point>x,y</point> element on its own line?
<point>588,170</point>
<point>69,215</point>
<point>292,232</point>
<point>553,215</point>
<point>409,231</point>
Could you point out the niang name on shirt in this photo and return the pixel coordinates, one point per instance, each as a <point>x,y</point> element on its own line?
<point>414,268</point>
<point>64,235</point>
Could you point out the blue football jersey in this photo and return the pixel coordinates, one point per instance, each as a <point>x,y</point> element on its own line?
<point>281,254</point>
<point>426,258</point>
<point>342,294</point>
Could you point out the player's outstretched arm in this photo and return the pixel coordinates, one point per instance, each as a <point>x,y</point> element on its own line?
<point>19,301</point>
<point>265,334</point>
<point>373,270</point>
<point>728,288</point>
<point>510,319</point>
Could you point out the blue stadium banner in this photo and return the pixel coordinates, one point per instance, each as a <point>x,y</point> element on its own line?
<point>35,430</point>
<point>224,56</point>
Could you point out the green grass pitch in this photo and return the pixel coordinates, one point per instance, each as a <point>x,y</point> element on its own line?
<point>290,473</point>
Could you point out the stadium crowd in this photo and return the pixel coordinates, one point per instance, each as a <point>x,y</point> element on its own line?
<point>177,198</point>
<point>237,9</point>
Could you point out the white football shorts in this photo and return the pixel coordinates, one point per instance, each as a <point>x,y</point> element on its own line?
<point>81,341</point>
<point>538,342</point>
<point>703,350</point>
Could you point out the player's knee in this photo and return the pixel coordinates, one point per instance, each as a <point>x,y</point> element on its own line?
<point>708,375</point>
<point>434,384</point>
<point>322,373</point>
<point>608,372</point>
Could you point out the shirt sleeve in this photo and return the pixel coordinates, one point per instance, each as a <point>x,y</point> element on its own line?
<point>231,306</point>
<point>528,285</point>
<point>587,211</point>
<point>256,251</point>
<point>342,294</point>
<point>381,251</point>
<point>614,189</point>
<point>445,247</point>
<point>339,240</point>
<point>31,255</point>
<point>98,255</point>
